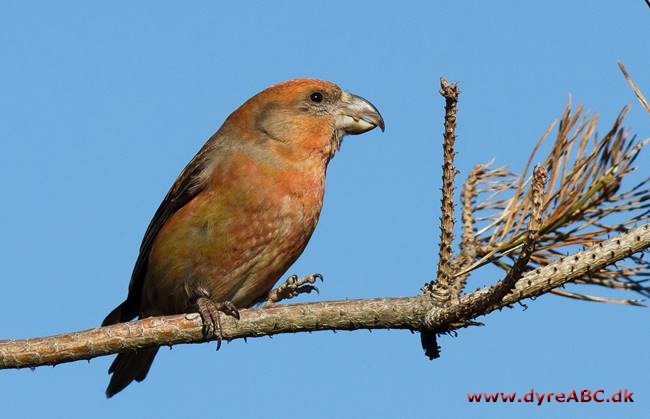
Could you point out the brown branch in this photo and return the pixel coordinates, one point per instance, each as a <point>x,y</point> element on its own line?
<point>385,313</point>
<point>536,204</point>
<point>380,313</point>
<point>468,197</point>
<point>544,279</point>
<point>468,244</point>
<point>452,314</point>
<point>443,288</point>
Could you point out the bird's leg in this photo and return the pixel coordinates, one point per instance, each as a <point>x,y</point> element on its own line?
<point>211,315</point>
<point>292,287</point>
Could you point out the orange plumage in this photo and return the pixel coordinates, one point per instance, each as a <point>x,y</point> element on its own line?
<point>243,209</point>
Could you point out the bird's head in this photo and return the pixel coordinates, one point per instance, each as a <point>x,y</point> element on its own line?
<point>305,117</point>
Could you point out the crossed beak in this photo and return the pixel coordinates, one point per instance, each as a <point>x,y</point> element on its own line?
<point>356,115</point>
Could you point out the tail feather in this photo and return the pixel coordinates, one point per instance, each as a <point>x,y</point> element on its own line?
<point>129,366</point>
<point>122,313</point>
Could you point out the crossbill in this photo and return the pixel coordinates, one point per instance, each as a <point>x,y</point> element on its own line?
<point>241,212</point>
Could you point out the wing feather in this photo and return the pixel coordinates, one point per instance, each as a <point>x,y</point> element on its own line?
<point>189,183</point>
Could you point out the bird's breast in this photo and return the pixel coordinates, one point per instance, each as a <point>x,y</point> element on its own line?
<point>236,238</point>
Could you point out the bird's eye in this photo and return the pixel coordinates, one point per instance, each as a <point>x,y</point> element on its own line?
<point>316,97</point>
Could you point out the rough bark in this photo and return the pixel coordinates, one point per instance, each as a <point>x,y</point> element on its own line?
<point>410,313</point>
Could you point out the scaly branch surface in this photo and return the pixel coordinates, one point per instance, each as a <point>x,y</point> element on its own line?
<point>442,289</point>
<point>382,313</point>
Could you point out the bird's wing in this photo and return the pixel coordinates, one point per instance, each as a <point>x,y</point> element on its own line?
<point>189,184</point>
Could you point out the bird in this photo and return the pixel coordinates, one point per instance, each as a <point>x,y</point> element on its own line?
<point>240,213</point>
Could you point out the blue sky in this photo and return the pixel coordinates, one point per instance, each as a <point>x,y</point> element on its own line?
<point>101,105</point>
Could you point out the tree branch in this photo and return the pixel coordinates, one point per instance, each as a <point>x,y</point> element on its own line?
<point>382,313</point>
<point>443,288</point>
<point>453,314</point>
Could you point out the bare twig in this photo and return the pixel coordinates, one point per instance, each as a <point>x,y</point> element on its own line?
<point>468,245</point>
<point>536,204</point>
<point>442,288</point>
<point>468,198</point>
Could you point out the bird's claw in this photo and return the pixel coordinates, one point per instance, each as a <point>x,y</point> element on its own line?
<point>292,287</point>
<point>211,315</point>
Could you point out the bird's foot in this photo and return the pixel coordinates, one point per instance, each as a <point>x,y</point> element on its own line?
<point>292,287</point>
<point>211,315</point>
